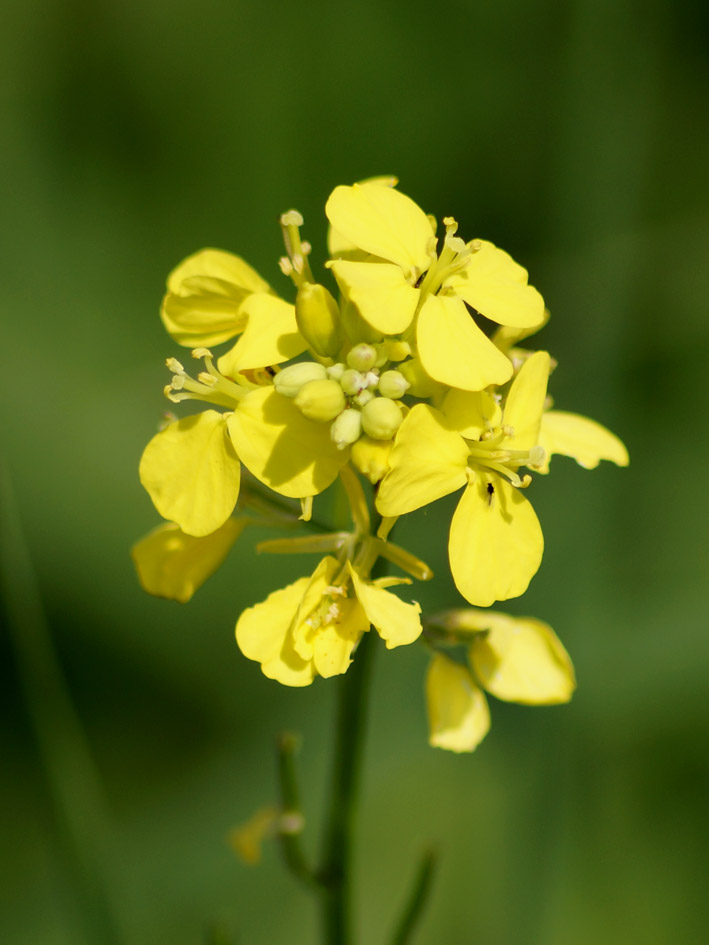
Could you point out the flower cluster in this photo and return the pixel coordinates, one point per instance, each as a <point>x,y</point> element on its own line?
<point>390,380</point>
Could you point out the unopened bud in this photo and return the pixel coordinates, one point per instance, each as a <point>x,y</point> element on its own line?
<point>352,381</point>
<point>290,380</point>
<point>381,418</point>
<point>364,397</point>
<point>335,371</point>
<point>393,384</point>
<point>346,428</point>
<point>318,319</point>
<point>362,357</point>
<point>371,457</point>
<point>320,400</point>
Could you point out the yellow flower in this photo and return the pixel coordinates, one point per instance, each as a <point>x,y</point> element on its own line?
<point>495,543</point>
<point>311,627</point>
<point>404,285</point>
<point>516,659</point>
<point>191,468</point>
<point>174,565</point>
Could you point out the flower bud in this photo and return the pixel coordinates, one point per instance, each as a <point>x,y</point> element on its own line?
<point>381,418</point>
<point>335,371</point>
<point>290,380</point>
<point>320,400</point>
<point>362,357</point>
<point>422,384</point>
<point>352,382</point>
<point>393,384</point>
<point>318,319</point>
<point>364,397</point>
<point>346,428</point>
<point>371,457</point>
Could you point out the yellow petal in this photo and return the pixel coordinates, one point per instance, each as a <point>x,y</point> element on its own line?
<point>506,338</point>
<point>219,265</point>
<point>525,402</point>
<point>381,293</point>
<point>334,642</point>
<point>584,440</point>
<point>496,544</point>
<point>395,621</point>
<point>262,633</point>
<point>496,286</point>
<point>246,840</point>
<point>458,716</point>
<point>520,659</point>
<point>173,564</point>
<point>203,318</point>
<point>289,453</point>
<point>205,293</point>
<point>428,461</point>
<point>304,628</point>
<point>271,336</point>
<point>382,221</point>
<point>471,413</point>
<point>192,473</point>
<point>453,350</point>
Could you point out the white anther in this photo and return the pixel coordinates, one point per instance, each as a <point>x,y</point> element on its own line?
<point>208,379</point>
<point>336,591</point>
<point>286,265</point>
<point>202,353</point>
<point>298,263</point>
<point>178,382</point>
<point>456,244</point>
<point>537,455</point>
<point>333,612</point>
<point>174,365</point>
<point>306,248</point>
<point>292,218</point>
<point>475,246</point>
<point>371,378</point>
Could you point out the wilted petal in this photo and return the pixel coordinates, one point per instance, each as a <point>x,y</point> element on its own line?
<point>174,565</point>
<point>496,543</point>
<point>192,473</point>
<point>458,716</point>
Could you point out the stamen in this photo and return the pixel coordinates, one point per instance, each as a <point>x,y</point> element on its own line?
<point>201,353</point>
<point>286,265</point>
<point>209,379</point>
<point>172,364</point>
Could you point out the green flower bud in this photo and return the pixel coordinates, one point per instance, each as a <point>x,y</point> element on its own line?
<point>362,357</point>
<point>381,418</point>
<point>422,384</point>
<point>393,384</point>
<point>346,428</point>
<point>371,457</point>
<point>335,371</point>
<point>289,381</point>
<point>352,382</point>
<point>320,400</point>
<point>318,319</point>
<point>364,397</point>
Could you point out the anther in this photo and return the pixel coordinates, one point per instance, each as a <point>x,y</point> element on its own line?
<point>174,365</point>
<point>208,379</point>
<point>291,218</point>
<point>286,265</point>
<point>201,353</point>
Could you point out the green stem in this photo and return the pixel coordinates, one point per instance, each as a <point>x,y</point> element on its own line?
<point>335,873</point>
<point>417,900</point>
<point>292,822</point>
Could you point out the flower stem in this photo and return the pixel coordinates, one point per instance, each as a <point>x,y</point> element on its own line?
<point>336,870</point>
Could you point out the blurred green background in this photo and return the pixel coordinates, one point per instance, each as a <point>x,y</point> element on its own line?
<point>572,134</point>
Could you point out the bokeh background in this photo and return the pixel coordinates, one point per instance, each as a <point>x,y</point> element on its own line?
<point>135,735</point>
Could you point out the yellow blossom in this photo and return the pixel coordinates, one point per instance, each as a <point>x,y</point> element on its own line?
<point>516,659</point>
<point>311,627</point>
<point>404,284</point>
<point>495,543</point>
<point>173,564</point>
